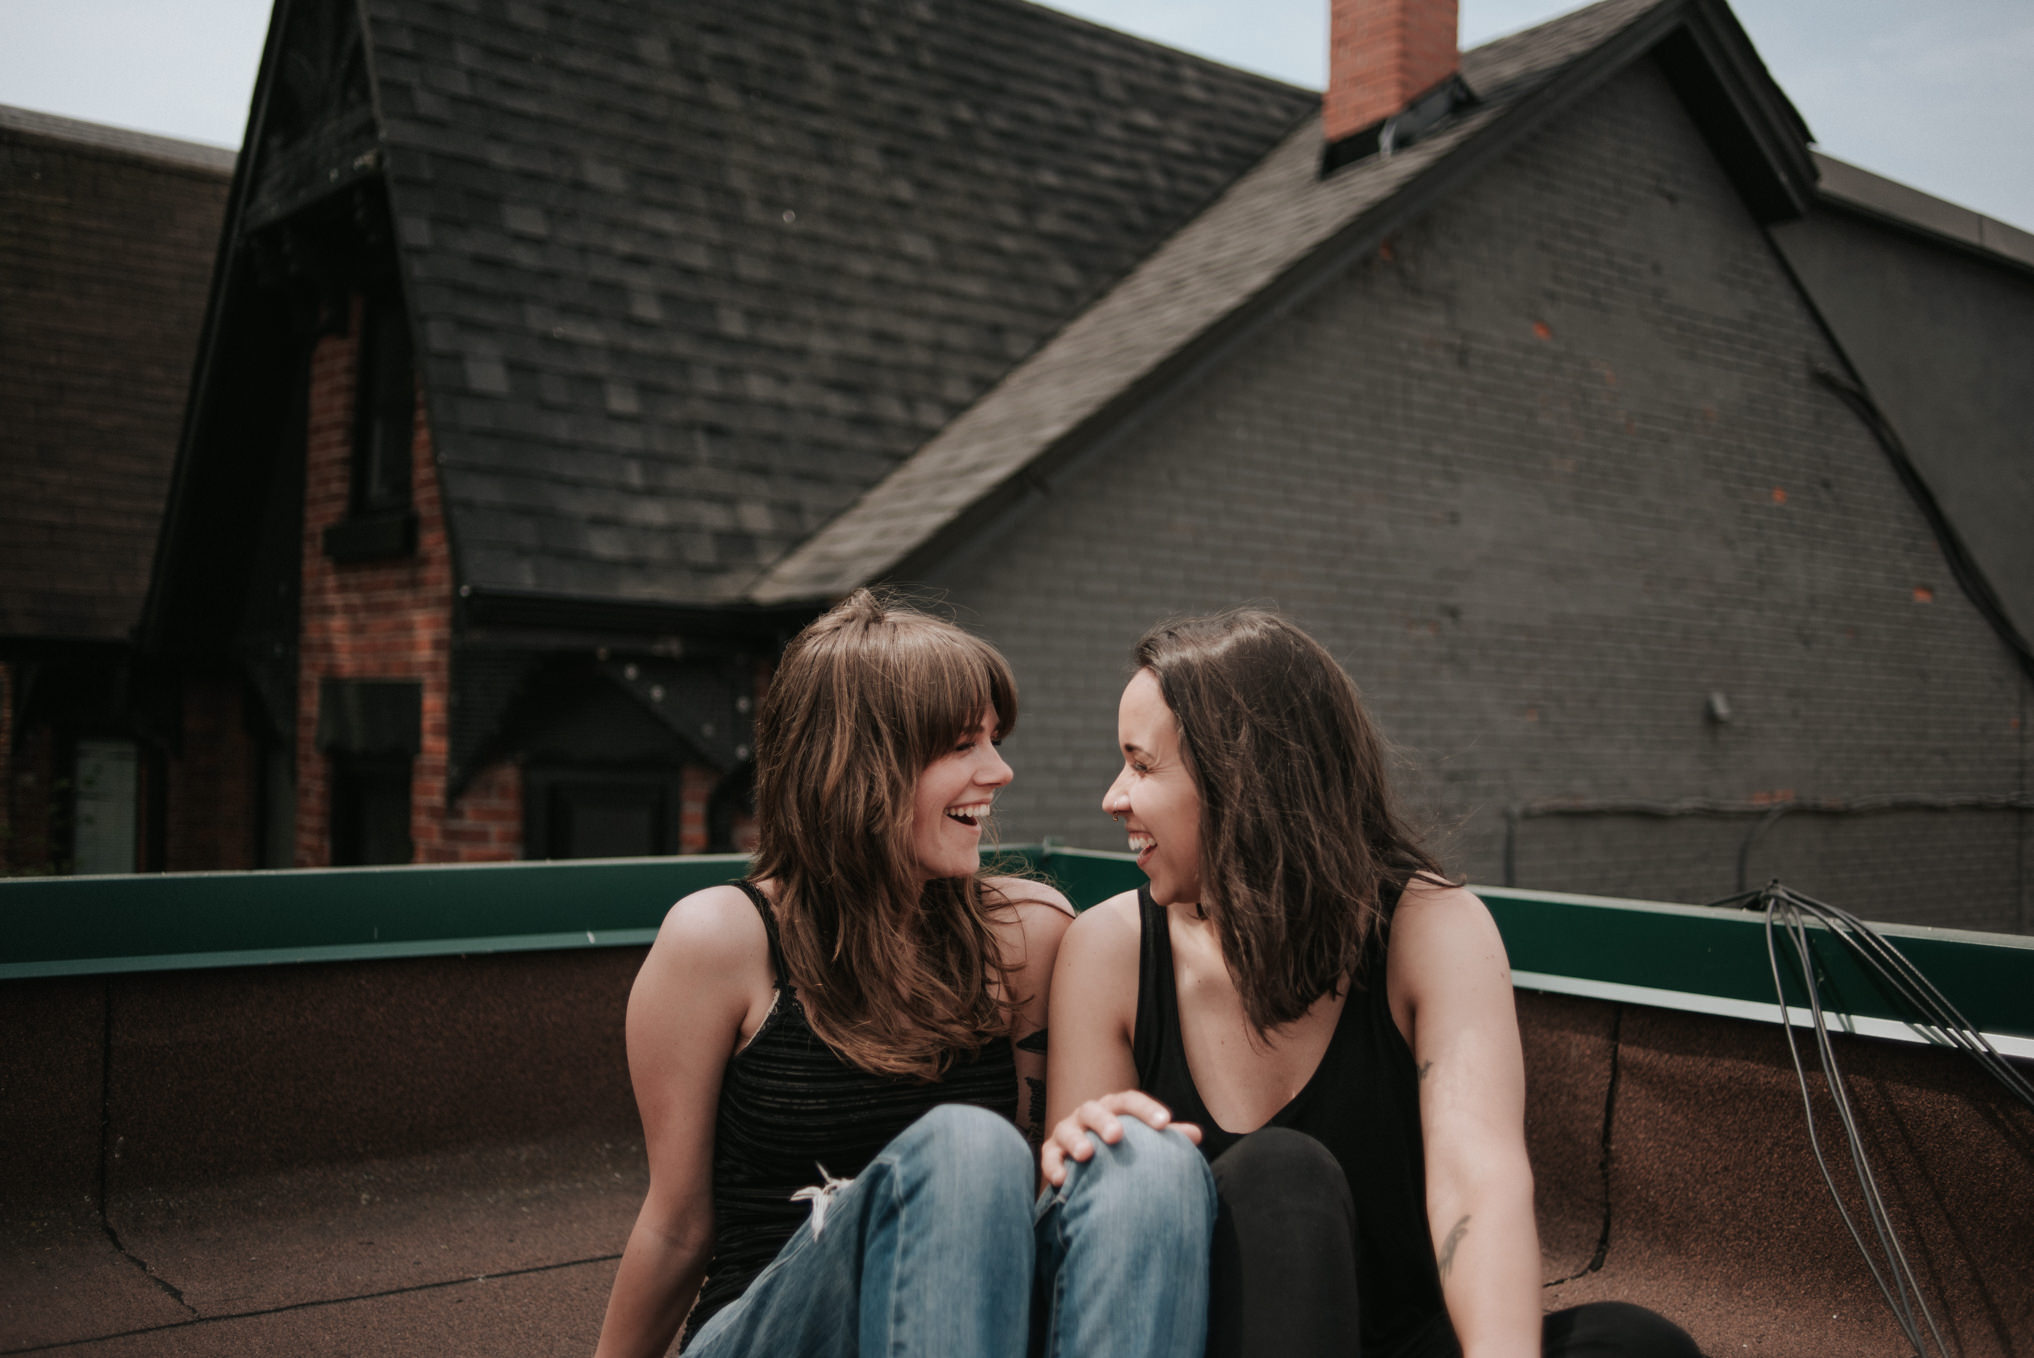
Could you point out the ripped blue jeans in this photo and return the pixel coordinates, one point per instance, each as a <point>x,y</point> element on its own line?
<point>937,1250</point>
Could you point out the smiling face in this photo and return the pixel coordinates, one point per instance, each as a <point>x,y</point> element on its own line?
<point>1155,796</point>
<point>951,802</point>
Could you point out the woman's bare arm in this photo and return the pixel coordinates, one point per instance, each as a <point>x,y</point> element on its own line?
<point>1092,1076</point>
<point>1030,929</point>
<point>1450,988</point>
<point>685,1020</point>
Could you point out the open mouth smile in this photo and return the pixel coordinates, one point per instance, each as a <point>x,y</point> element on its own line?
<point>971,815</point>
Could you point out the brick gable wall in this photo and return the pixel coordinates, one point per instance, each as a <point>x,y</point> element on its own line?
<point>1544,473</point>
<point>211,782</point>
<point>384,619</point>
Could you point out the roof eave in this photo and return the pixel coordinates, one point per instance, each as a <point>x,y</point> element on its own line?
<point>1851,188</point>
<point>1752,127</point>
<point>151,631</point>
<point>509,616</point>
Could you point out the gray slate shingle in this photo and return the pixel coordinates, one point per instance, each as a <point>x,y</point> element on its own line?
<point>691,276</point>
<point>1272,218</point>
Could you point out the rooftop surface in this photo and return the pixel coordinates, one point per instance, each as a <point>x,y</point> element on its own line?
<point>380,1153</point>
<point>512,1248</point>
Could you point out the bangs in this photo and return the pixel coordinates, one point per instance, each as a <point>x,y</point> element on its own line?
<point>957,678</point>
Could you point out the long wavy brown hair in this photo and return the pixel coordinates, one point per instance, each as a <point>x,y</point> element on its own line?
<point>896,974</point>
<point>1300,839</point>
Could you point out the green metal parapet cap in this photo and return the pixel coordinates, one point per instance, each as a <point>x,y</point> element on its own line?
<point>1673,956</point>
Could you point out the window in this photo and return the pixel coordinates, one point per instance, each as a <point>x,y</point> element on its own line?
<point>600,813</point>
<point>386,409</point>
<point>103,827</point>
<point>370,810</point>
<point>370,730</point>
<point>380,520</point>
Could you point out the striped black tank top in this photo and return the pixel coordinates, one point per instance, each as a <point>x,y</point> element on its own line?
<point>789,1104</point>
<point>1362,1102</point>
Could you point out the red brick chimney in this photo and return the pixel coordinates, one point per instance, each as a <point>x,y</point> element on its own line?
<point>1382,55</point>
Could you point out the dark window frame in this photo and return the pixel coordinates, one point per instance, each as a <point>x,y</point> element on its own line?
<point>370,731</point>
<point>381,514</point>
<point>363,789</point>
<point>551,792</point>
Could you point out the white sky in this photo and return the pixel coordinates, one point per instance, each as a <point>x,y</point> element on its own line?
<point>1939,95</point>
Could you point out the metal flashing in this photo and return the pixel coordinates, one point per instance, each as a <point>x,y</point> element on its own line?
<point>1689,957</point>
<point>190,155</point>
<point>1857,188</point>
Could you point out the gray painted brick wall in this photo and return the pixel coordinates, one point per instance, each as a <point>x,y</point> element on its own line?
<point>1544,474</point>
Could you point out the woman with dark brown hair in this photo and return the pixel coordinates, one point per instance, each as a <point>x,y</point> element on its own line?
<point>1301,982</point>
<point>838,1059</point>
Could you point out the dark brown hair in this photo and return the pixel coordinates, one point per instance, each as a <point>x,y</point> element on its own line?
<point>1299,837</point>
<point>897,975</point>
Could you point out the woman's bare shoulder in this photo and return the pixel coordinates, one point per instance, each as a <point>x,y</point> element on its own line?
<point>1030,918</point>
<point>1425,892</point>
<point>1430,906</point>
<point>1109,931</point>
<point>1023,891</point>
<point>711,931</point>
<point>707,972</point>
<point>1443,943</point>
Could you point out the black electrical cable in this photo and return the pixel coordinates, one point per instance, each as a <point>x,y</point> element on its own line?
<point>1788,912</point>
<point>1903,1293</point>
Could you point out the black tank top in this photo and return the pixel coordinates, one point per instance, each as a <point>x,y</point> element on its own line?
<point>1362,1103</point>
<point>790,1104</point>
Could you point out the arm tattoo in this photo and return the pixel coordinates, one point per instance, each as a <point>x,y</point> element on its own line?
<point>1425,1066</point>
<point>1035,1133</point>
<point>1447,1260</point>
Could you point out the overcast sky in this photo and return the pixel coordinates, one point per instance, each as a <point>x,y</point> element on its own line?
<point>1937,94</point>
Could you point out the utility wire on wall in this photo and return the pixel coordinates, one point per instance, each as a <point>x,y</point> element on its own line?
<point>1767,813</point>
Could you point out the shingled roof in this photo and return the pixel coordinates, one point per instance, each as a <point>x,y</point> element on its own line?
<point>689,277</point>
<point>1278,230</point>
<point>106,246</point>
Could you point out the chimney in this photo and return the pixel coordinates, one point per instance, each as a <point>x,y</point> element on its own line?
<point>1382,55</point>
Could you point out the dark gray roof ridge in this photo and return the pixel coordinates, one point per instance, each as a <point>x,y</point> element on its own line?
<point>1855,187</point>
<point>189,154</point>
<point>1261,229</point>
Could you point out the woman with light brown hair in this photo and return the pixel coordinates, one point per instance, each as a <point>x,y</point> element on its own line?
<point>838,1059</point>
<point>1301,982</point>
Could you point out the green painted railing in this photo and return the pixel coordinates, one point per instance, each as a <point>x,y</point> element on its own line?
<point>59,926</point>
<point>1677,956</point>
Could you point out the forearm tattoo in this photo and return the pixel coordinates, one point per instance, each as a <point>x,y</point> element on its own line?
<point>1034,1090</point>
<point>1447,1257</point>
<point>1035,1132</point>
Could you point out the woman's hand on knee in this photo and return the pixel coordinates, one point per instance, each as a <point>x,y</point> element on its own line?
<point>1069,1140</point>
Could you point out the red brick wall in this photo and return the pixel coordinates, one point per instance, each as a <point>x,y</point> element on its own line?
<point>6,768</point>
<point>31,796</point>
<point>384,619</point>
<point>11,859</point>
<point>696,790</point>
<point>212,785</point>
<point>486,823</point>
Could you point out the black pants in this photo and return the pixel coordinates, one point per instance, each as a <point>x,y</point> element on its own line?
<point>1284,1271</point>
